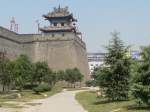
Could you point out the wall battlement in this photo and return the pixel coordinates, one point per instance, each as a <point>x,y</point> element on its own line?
<point>31,38</point>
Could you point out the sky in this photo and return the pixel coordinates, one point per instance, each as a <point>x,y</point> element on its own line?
<point>96,19</point>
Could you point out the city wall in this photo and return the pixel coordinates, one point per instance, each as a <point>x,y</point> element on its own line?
<point>60,51</point>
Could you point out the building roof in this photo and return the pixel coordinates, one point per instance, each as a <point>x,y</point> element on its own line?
<point>96,57</point>
<point>96,53</point>
<point>59,13</point>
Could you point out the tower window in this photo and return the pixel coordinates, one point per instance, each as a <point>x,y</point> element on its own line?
<point>62,24</point>
<point>55,24</point>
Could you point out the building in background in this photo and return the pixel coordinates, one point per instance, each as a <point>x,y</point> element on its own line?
<point>95,60</point>
<point>135,54</point>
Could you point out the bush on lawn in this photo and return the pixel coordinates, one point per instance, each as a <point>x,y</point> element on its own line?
<point>42,88</point>
<point>29,86</point>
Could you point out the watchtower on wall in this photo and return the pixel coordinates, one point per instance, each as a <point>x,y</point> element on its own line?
<point>66,48</point>
<point>61,20</point>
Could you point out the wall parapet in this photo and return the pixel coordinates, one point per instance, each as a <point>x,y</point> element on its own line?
<point>31,38</point>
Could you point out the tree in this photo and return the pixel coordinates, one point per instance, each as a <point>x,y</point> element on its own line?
<point>10,75</point>
<point>94,77</point>
<point>43,75</point>
<point>73,75</point>
<point>61,75</point>
<point>51,78</point>
<point>5,77</point>
<point>135,66</point>
<point>41,71</point>
<point>103,77</point>
<point>23,71</point>
<point>78,76</point>
<point>115,75</point>
<point>141,86</point>
<point>69,76</point>
<point>94,73</point>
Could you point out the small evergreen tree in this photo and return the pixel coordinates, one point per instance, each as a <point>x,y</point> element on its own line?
<point>141,86</point>
<point>114,76</point>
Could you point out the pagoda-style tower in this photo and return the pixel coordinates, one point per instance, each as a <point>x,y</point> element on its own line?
<point>61,44</point>
<point>61,20</point>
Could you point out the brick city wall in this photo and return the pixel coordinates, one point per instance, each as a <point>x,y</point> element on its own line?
<point>60,51</point>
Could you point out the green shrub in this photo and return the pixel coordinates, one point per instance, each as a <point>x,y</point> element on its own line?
<point>90,83</point>
<point>42,88</point>
<point>29,86</point>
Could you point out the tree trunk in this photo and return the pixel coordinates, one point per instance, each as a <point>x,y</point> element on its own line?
<point>74,85</point>
<point>80,84</point>
<point>3,88</point>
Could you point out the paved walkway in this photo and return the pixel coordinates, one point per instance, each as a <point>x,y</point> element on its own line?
<point>62,102</point>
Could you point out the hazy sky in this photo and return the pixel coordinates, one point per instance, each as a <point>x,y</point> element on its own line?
<point>96,18</point>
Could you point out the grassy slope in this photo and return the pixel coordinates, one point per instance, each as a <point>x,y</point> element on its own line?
<point>87,99</point>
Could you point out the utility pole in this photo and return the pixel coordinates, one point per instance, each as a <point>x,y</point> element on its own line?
<point>38,25</point>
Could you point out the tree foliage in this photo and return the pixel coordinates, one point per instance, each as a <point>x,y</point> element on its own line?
<point>22,71</point>
<point>41,71</point>
<point>73,75</point>
<point>141,86</point>
<point>23,74</point>
<point>43,74</point>
<point>5,77</point>
<point>61,75</point>
<point>114,76</point>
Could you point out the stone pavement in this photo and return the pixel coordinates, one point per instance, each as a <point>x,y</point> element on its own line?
<point>61,102</point>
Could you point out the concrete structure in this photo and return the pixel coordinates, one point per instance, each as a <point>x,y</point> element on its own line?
<point>95,60</point>
<point>59,44</point>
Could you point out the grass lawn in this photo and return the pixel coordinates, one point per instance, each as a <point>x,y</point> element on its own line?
<point>75,89</point>
<point>27,95</point>
<point>88,99</point>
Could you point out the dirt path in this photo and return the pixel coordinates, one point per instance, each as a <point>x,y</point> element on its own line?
<point>61,102</point>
